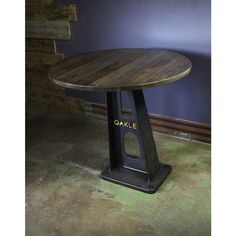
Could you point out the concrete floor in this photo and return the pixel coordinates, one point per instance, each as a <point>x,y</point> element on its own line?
<point>65,196</point>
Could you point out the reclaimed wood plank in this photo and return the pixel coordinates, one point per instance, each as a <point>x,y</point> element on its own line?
<point>65,12</point>
<point>48,29</point>
<point>84,59</point>
<point>143,68</point>
<point>37,77</point>
<point>40,45</point>
<point>122,66</point>
<point>39,2</point>
<point>40,78</point>
<point>34,93</point>
<point>82,72</point>
<point>41,60</point>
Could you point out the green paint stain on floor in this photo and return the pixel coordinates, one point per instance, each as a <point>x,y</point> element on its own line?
<point>204,183</point>
<point>128,198</point>
<point>185,205</point>
<point>184,151</point>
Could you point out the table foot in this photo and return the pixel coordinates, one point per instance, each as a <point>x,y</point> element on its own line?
<point>135,179</point>
<point>143,172</point>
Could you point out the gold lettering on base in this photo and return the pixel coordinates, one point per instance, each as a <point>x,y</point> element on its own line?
<point>128,124</point>
<point>134,125</point>
<point>116,122</point>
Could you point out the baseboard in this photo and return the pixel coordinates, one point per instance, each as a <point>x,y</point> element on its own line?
<point>162,124</point>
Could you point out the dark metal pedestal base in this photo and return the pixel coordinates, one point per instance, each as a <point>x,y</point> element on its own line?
<point>137,180</point>
<point>143,172</point>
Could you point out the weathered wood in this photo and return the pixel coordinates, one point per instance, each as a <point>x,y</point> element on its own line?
<point>48,29</point>
<point>40,45</point>
<point>37,78</point>
<point>39,2</point>
<point>34,93</point>
<point>40,78</point>
<point>48,95</point>
<point>45,22</point>
<point>41,60</point>
<point>120,69</point>
<point>65,12</point>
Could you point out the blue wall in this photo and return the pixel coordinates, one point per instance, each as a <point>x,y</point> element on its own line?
<point>180,25</point>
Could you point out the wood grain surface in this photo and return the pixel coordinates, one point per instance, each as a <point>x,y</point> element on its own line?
<point>48,29</point>
<point>39,2</point>
<point>120,69</point>
<point>36,61</point>
<point>66,12</point>
<point>40,45</point>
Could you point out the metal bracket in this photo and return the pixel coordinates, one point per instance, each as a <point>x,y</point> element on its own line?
<point>144,173</point>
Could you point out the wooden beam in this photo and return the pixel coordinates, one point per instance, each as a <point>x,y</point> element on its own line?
<point>39,2</point>
<point>37,78</point>
<point>40,61</point>
<point>40,79</point>
<point>43,58</point>
<point>40,45</point>
<point>48,29</point>
<point>65,12</point>
<point>40,95</point>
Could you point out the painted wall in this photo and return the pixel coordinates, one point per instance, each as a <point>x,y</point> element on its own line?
<point>179,25</point>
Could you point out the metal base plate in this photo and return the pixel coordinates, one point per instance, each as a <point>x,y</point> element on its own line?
<point>135,179</point>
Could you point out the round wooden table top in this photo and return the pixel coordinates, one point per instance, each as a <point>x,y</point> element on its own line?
<point>120,69</point>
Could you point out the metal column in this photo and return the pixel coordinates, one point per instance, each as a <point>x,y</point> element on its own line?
<point>144,173</point>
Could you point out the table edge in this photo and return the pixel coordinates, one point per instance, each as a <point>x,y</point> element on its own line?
<point>126,88</point>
